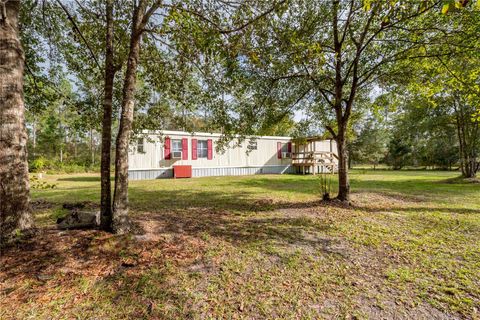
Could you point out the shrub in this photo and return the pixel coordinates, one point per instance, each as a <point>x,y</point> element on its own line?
<point>41,164</point>
<point>38,164</point>
<point>36,183</point>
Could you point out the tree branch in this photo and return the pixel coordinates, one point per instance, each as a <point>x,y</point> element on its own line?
<point>70,18</point>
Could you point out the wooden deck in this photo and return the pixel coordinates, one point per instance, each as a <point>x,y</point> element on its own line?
<point>311,156</point>
<point>315,161</point>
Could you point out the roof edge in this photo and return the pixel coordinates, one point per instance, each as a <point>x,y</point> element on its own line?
<point>207,134</point>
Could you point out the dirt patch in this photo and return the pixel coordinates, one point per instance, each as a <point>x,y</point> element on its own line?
<point>31,270</point>
<point>461,180</point>
<point>84,205</point>
<point>367,265</point>
<point>472,180</point>
<point>40,204</point>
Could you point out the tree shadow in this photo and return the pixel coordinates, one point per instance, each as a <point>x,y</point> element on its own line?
<point>418,209</point>
<point>39,257</point>
<point>242,217</point>
<point>233,201</point>
<point>83,179</point>
<point>436,188</point>
<point>34,268</point>
<point>236,229</point>
<point>301,184</point>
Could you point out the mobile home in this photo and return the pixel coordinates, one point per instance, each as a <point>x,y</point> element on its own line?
<point>157,154</point>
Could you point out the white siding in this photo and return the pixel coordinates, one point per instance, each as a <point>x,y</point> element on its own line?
<point>233,160</point>
<point>232,156</point>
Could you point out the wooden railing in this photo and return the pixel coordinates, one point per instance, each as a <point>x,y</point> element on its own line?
<point>313,158</point>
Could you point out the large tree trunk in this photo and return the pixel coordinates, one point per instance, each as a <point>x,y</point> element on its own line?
<point>14,185</point>
<point>343,181</point>
<point>467,137</point>
<point>120,197</point>
<point>106,193</point>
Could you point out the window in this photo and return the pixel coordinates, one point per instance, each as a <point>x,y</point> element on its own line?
<point>252,145</point>
<point>177,145</point>
<point>202,149</point>
<point>284,150</point>
<point>140,146</point>
<point>177,148</point>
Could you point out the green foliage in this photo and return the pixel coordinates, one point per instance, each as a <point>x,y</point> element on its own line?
<point>398,152</point>
<point>370,144</point>
<point>43,164</point>
<point>38,164</point>
<point>247,69</point>
<point>37,183</point>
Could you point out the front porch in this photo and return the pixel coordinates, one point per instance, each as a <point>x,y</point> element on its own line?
<point>306,159</point>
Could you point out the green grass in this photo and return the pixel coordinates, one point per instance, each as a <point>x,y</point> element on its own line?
<point>261,247</point>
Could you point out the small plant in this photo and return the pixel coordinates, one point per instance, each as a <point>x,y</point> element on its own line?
<point>36,183</point>
<point>326,185</point>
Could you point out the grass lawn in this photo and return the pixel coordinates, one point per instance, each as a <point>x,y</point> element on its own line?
<point>255,247</point>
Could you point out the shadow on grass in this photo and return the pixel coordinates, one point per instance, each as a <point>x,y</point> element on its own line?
<point>293,230</point>
<point>36,268</point>
<point>234,217</point>
<point>38,256</point>
<point>297,184</point>
<point>243,217</point>
<point>83,179</point>
<point>436,188</point>
<point>417,209</point>
<point>181,200</point>
<point>240,219</point>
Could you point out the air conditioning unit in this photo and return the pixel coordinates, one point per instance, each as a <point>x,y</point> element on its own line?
<point>286,154</point>
<point>177,154</point>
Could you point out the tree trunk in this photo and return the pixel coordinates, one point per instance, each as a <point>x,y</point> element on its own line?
<point>467,138</point>
<point>460,140</point>
<point>120,197</point>
<point>343,181</point>
<point>92,147</point>
<point>75,142</point>
<point>106,193</point>
<point>14,185</point>
<point>34,136</point>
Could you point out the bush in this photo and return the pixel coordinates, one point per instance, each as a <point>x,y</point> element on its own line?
<point>41,164</point>
<point>38,164</point>
<point>36,183</point>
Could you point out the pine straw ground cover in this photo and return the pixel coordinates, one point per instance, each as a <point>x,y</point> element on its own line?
<point>253,248</point>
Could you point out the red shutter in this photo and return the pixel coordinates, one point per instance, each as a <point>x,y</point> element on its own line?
<point>166,147</point>
<point>209,149</point>
<point>184,149</point>
<point>289,147</point>
<point>279,150</point>
<point>194,149</point>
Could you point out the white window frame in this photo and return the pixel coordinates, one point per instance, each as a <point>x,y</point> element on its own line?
<point>202,148</point>
<point>141,145</point>
<point>252,145</point>
<point>284,150</point>
<point>177,147</point>
<point>174,144</point>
